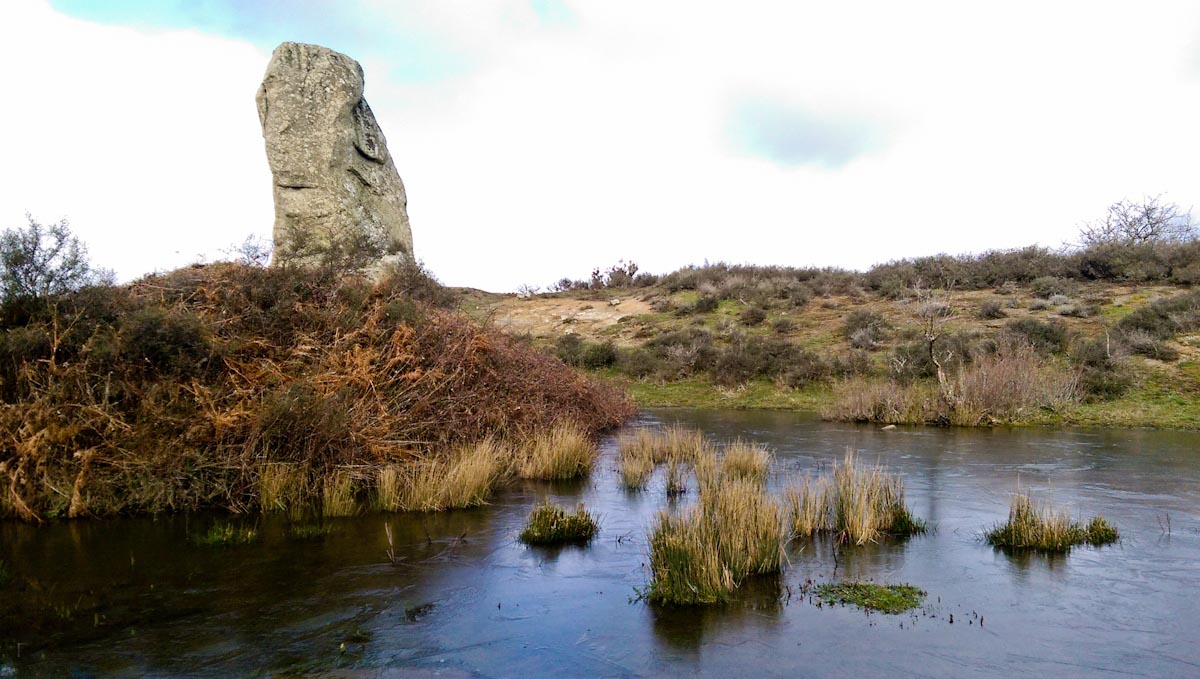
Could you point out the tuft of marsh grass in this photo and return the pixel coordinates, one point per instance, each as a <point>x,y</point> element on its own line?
<point>309,531</point>
<point>674,441</point>
<point>387,488</point>
<point>337,494</point>
<point>1041,527</point>
<point>746,460</point>
<point>701,555</point>
<point>562,452</point>
<point>858,503</point>
<point>676,476</point>
<point>282,487</point>
<point>686,567</point>
<point>463,478</point>
<point>550,524</point>
<point>747,526</point>
<point>806,501</point>
<point>225,534</point>
<point>890,599</point>
<point>635,469</point>
<point>1100,532</point>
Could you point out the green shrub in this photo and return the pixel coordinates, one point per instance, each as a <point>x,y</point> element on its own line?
<point>783,325</point>
<point>165,341</point>
<point>991,309</point>
<point>602,355</point>
<point>1046,335</point>
<point>705,304</point>
<point>752,316</point>
<point>1048,286</point>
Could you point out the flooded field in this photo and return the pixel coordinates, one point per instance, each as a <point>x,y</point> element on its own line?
<point>455,594</point>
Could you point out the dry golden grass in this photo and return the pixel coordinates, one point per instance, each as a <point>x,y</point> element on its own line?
<point>858,503</point>
<point>337,495</point>
<point>746,460</point>
<point>282,487</point>
<point>387,488</point>
<point>807,506</point>
<point>463,478</point>
<point>699,556</point>
<point>686,567</point>
<point>747,526</point>
<point>562,452</point>
<point>676,476</point>
<point>1041,527</point>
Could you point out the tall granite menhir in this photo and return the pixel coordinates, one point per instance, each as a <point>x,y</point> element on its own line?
<point>334,178</point>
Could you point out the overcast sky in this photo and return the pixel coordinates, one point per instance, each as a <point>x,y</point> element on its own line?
<point>539,139</point>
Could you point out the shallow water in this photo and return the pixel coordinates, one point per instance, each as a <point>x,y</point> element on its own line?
<point>463,598</point>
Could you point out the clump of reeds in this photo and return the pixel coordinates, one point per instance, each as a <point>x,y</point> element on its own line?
<point>465,477</point>
<point>561,452</point>
<point>225,534</point>
<point>700,555</point>
<point>808,511</point>
<point>282,487</point>
<point>858,503</point>
<point>636,453</point>
<point>686,567</point>
<point>337,495</point>
<point>550,524</point>
<point>676,476</point>
<point>1041,527</point>
<point>745,460</point>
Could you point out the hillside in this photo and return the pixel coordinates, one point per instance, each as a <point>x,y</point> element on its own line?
<point>755,337</point>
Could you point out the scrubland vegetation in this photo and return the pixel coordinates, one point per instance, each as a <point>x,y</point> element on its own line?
<point>241,387</point>
<point>1105,333</point>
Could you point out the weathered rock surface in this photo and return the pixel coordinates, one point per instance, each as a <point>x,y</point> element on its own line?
<point>335,183</point>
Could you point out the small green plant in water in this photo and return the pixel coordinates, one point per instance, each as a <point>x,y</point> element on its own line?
<point>550,524</point>
<point>890,599</point>
<point>309,531</point>
<point>1040,527</point>
<point>224,534</point>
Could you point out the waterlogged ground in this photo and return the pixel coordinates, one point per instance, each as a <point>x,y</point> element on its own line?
<point>462,597</point>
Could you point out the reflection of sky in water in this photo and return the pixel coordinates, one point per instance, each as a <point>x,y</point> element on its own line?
<point>466,597</point>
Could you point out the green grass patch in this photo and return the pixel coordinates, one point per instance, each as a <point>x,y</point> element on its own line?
<point>550,524</point>
<point>700,393</point>
<point>226,534</point>
<point>889,599</point>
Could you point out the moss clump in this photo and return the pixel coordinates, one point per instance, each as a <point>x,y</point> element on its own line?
<point>1039,527</point>
<point>890,599</point>
<point>550,524</point>
<point>226,534</point>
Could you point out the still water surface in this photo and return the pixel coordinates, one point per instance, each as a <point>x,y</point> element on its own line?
<point>133,597</point>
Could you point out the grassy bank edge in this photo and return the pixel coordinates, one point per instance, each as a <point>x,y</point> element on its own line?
<point>1152,404</point>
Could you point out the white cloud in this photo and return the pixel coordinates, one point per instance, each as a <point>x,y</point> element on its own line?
<point>148,142</point>
<point>572,144</point>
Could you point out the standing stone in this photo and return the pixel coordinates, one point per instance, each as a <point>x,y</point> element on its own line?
<point>334,181</point>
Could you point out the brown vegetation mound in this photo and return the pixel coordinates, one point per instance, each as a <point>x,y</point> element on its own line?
<point>175,392</point>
